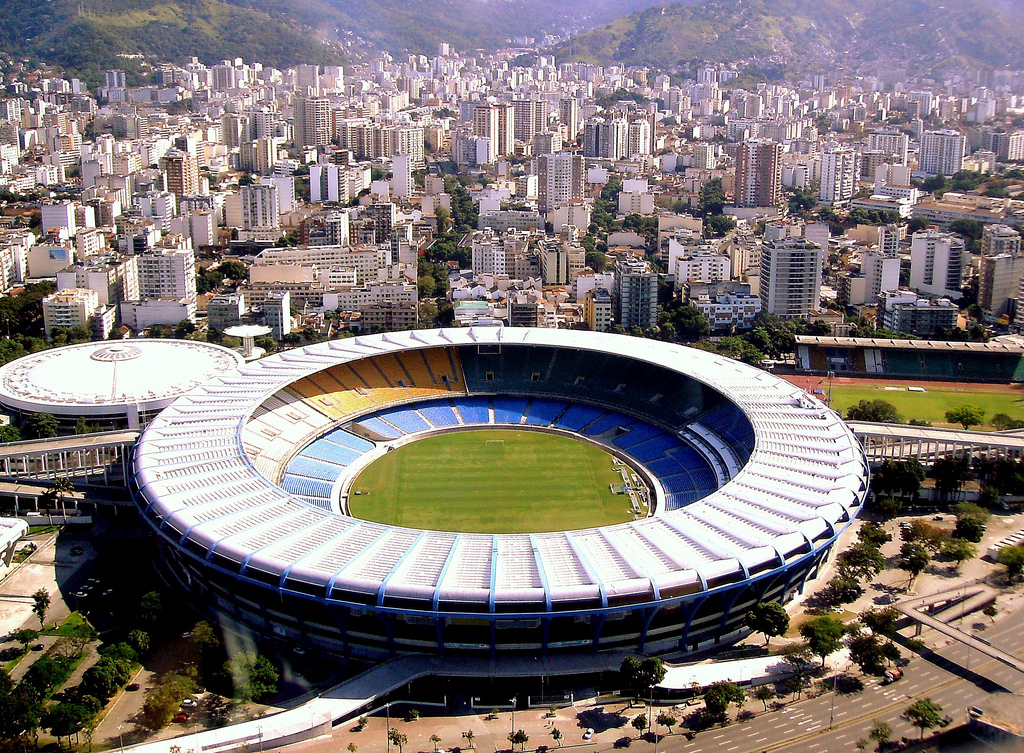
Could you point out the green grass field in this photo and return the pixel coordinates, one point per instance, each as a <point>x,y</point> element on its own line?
<point>932,405</point>
<point>491,481</point>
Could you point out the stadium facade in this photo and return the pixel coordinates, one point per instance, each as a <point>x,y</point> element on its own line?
<point>244,481</point>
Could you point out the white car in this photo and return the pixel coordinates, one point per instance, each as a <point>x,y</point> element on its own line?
<point>588,734</point>
<point>189,703</point>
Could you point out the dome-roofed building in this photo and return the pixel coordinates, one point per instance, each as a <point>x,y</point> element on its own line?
<point>113,384</point>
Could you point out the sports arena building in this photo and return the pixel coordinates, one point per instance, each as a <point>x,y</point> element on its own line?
<point>245,481</point>
<point>112,384</point>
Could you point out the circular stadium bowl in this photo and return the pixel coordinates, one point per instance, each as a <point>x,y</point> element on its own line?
<point>246,482</point>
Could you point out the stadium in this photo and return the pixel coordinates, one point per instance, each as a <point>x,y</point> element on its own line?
<point>294,498</point>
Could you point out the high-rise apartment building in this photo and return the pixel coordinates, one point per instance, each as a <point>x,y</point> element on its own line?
<point>1000,239</point>
<point>790,282</point>
<point>759,173</point>
<point>892,144</point>
<point>635,294</point>
<point>999,278</point>
<point>182,172</point>
<point>942,152</point>
<point>560,179</point>
<point>569,115</point>
<point>313,121</point>
<point>531,117</point>
<point>168,274</point>
<point>937,263</point>
<point>495,122</point>
<point>259,204</point>
<point>839,171</point>
<point>605,139</point>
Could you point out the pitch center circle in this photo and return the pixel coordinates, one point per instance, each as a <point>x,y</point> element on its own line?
<point>497,481</point>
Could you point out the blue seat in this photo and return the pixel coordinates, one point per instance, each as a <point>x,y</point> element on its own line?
<point>377,426</point>
<point>330,452</point>
<point>579,416</point>
<point>306,486</point>
<point>305,466</point>
<point>439,413</point>
<point>474,410</point>
<point>509,410</point>
<point>405,418</point>
<point>543,412</point>
<point>637,434</point>
<point>607,423</point>
<point>350,440</point>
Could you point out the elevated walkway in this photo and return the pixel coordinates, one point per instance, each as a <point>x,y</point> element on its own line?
<point>976,596</point>
<point>928,444</point>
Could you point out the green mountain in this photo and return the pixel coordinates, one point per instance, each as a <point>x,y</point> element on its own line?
<point>86,37</point>
<point>789,35</point>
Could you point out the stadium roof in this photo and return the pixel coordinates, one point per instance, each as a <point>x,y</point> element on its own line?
<point>926,345</point>
<point>803,483</point>
<point>104,378</point>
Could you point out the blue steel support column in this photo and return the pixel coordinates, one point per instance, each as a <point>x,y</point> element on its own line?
<point>738,592</point>
<point>597,623</point>
<point>650,613</point>
<point>696,605</point>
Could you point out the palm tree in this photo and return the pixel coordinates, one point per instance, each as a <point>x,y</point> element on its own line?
<point>61,487</point>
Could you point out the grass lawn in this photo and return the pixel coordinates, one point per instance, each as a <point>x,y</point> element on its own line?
<point>932,405</point>
<point>492,481</point>
<point>71,625</point>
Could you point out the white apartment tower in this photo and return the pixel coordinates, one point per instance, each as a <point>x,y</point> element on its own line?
<point>937,263</point>
<point>839,171</point>
<point>790,283</point>
<point>560,179</point>
<point>942,152</point>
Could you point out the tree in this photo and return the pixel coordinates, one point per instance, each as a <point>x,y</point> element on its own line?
<point>867,652</point>
<point>717,698</point>
<point>205,637</point>
<point>519,737</point>
<point>878,411</point>
<point>9,433</point>
<point>969,529</point>
<point>667,721</point>
<point>823,634</point>
<point>768,618</point>
<point>352,748</point>
<point>639,723</point>
<point>764,693</point>
<point>881,621</point>
<point>40,426</point>
<point>139,641</point>
<point>434,739</point>
<point>412,715</point>
<point>842,589</point>
<point>556,735</point>
<point>959,550</point>
<point>25,637</point>
<point>990,611</point>
<point>40,605</point>
<point>924,714</point>
<point>640,676</point>
<point>872,534</point>
<point>902,478</point>
<point>397,738</point>
<point>862,560</point>
<point>966,415</point>
<point>253,677</point>
<point>881,733</point>
<point>162,702</point>
<point>468,736</point>
<point>66,719</point>
<point>150,607</point>
<point>1012,557</point>
<point>914,558</point>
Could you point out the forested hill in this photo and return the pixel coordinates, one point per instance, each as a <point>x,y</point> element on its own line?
<point>921,35</point>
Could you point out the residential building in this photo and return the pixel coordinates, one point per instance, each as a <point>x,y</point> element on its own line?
<point>790,280</point>
<point>729,310</point>
<point>597,309</point>
<point>1000,239</point>
<point>635,294</point>
<point>840,169</point>
<point>937,262</point>
<point>905,311</point>
<point>942,152</point>
<point>277,313</point>
<point>998,282</point>
<point>182,171</point>
<point>313,121</point>
<point>759,173</point>
<point>225,310</point>
<point>561,179</point>
<point>70,308</point>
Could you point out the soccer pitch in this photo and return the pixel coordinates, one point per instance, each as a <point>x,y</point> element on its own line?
<point>492,481</point>
<point>932,404</point>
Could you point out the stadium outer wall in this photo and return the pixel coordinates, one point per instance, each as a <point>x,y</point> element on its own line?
<point>376,625</point>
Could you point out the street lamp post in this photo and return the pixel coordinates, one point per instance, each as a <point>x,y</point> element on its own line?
<point>195,732</point>
<point>387,723</point>
<point>260,730</point>
<point>120,735</point>
<point>514,698</point>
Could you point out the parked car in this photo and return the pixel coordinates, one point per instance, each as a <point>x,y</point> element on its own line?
<point>189,703</point>
<point>588,734</point>
<point>132,688</point>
